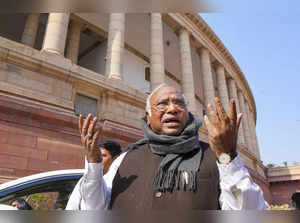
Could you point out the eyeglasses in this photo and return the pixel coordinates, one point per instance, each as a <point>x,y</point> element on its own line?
<point>163,106</point>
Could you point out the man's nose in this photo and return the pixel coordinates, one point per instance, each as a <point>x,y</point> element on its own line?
<point>171,108</point>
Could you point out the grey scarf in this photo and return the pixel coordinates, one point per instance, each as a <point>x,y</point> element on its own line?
<point>182,156</point>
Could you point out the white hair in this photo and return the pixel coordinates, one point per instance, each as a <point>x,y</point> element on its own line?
<point>148,105</point>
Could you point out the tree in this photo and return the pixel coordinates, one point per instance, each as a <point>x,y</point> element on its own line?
<point>271,165</point>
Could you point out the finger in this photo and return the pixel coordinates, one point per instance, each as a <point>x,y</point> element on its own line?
<point>207,123</point>
<point>80,123</point>
<point>220,110</point>
<point>92,126</point>
<point>89,143</point>
<point>239,119</point>
<point>86,125</point>
<point>236,133</point>
<point>85,141</point>
<point>95,138</point>
<point>213,114</point>
<point>232,112</point>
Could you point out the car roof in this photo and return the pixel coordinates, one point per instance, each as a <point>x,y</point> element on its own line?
<point>39,176</point>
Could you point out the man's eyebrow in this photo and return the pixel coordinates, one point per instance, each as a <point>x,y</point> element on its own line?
<point>163,99</point>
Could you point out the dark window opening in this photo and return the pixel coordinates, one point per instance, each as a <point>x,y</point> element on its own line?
<point>85,105</point>
<point>147,73</point>
<point>12,26</point>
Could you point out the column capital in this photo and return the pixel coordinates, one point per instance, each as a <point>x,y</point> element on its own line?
<point>231,80</point>
<point>218,65</point>
<point>204,50</point>
<point>181,30</point>
<point>200,50</point>
<point>239,90</point>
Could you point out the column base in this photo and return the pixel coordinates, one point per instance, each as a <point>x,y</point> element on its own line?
<point>115,76</point>
<point>52,51</point>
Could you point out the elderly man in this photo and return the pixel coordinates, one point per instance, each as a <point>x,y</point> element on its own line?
<point>170,168</point>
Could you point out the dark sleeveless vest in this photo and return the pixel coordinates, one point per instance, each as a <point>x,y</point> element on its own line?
<point>133,184</point>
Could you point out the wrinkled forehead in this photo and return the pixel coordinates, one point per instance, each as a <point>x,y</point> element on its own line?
<point>164,93</point>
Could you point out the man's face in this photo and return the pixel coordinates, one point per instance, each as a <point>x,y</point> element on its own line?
<point>107,159</point>
<point>169,114</point>
<point>16,204</point>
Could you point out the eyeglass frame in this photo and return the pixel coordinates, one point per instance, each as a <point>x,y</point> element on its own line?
<point>184,105</point>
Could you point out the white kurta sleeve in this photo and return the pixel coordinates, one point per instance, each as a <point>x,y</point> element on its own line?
<point>93,188</point>
<point>74,202</point>
<point>238,191</point>
<point>90,193</point>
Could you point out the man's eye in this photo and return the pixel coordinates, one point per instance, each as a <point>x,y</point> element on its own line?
<point>163,103</point>
<point>179,102</point>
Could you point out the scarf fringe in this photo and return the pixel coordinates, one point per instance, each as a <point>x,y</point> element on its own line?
<point>169,180</point>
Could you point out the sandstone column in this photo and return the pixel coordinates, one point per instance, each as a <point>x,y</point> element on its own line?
<point>222,87</point>
<point>233,94</point>
<point>56,33</point>
<point>255,137</point>
<point>208,85</point>
<point>115,46</point>
<point>157,64</point>
<point>253,150</point>
<point>254,141</point>
<point>31,29</point>
<point>187,70</point>
<point>245,124</point>
<point>73,41</point>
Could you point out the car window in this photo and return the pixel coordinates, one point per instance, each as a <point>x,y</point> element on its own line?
<point>48,196</point>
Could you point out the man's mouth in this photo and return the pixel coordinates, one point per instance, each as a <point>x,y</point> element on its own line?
<point>170,122</point>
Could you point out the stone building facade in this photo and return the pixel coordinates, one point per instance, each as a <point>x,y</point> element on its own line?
<point>55,66</point>
<point>284,182</point>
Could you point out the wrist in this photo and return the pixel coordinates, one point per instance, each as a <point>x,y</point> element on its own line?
<point>92,159</point>
<point>226,158</point>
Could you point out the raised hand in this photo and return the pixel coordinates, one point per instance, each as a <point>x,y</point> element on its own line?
<point>89,138</point>
<point>223,128</point>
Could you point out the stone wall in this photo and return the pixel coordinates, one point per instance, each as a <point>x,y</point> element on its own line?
<point>283,191</point>
<point>36,138</point>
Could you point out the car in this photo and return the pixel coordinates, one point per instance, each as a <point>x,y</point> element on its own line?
<point>43,191</point>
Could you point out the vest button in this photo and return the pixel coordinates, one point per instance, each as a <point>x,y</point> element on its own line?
<point>158,194</point>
